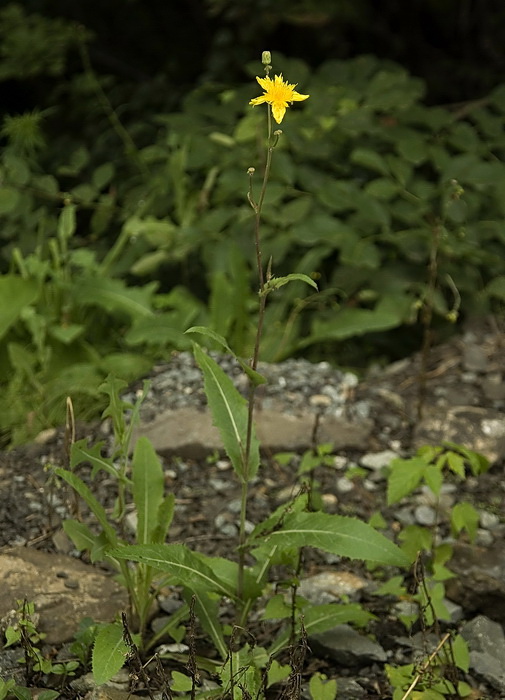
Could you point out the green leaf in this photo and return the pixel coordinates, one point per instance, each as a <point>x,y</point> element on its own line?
<point>80,534</point>
<point>147,488</point>
<point>176,559</point>
<point>321,688</point>
<point>465,517</point>
<point>404,477</point>
<point>85,493</point>
<point>66,222</point>
<point>230,414</point>
<point>456,464</point>
<point>80,452</point>
<point>109,653</point>
<point>15,293</point>
<point>162,329</point>
<point>320,618</point>
<point>460,653</point>
<point>254,376</point>
<point>114,296</point>
<point>349,323</point>
<point>369,159</point>
<point>164,519</point>
<point>277,282</point>
<point>9,199</point>
<point>348,537</point>
<point>207,613</point>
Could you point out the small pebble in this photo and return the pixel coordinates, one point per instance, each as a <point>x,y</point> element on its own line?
<point>488,520</point>
<point>425,515</point>
<point>378,460</point>
<point>344,485</point>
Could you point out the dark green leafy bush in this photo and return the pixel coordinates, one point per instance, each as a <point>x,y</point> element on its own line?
<point>117,237</point>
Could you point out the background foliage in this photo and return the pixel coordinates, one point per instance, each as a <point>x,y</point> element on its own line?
<point>123,179</point>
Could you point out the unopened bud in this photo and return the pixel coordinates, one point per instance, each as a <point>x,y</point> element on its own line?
<point>250,171</point>
<point>278,132</point>
<point>266,58</point>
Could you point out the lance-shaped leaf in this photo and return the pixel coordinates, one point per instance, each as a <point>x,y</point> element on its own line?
<point>337,534</point>
<point>85,493</point>
<point>230,415</point>
<point>255,377</point>
<point>187,567</point>
<point>148,482</point>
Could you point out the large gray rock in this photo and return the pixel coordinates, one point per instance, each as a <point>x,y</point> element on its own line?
<point>479,585</point>
<point>63,589</point>
<point>486,642</point>
<point>190,434</point>
<point>347,647</point>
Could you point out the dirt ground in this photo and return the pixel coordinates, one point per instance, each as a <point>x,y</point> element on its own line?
<point>468,371</point>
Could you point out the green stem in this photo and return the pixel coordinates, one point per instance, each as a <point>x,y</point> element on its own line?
<point>255,358</point>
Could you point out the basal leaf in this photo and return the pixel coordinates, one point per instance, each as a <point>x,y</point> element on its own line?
<point>164,519</point>
<point>176,559</point>
<point>80,534</point>
<point>147,488</point>
<point>348,537</point>
<point>85,493</point>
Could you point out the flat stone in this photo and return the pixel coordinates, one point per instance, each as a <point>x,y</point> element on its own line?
<point>43,579</point>
<point>189,433</point>
<point>478,429</point>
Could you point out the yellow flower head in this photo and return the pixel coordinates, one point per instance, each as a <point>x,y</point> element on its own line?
<point>278,94</point>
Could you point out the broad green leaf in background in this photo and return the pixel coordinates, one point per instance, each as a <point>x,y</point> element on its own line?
<point>147,488</point>
<point>113,295</point>
<point>109,652</point>
<point>15,293</point>
<point>66,222</point>
<point>230,414</point>
<point>348,537</point>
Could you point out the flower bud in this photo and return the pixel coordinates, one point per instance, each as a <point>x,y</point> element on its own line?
<point>266,58</point>
<point>250,171</point>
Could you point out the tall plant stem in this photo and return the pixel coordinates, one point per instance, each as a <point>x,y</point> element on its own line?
<point>426,318</point>
<point>257,207</point>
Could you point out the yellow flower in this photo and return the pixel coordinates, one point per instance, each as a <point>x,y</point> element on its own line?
<point>277,94</point>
